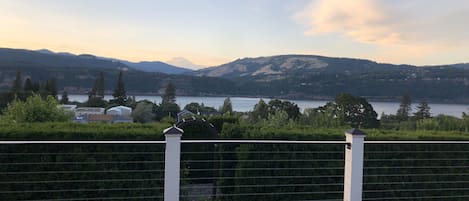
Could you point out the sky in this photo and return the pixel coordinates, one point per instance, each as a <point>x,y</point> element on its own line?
<point>213,32</point>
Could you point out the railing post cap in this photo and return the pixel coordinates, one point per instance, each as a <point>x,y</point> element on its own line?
<point>355,132</point>
<point>173,130</point>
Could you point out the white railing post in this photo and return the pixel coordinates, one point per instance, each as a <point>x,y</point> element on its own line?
<point>172,163</point>
<point>353,176</point>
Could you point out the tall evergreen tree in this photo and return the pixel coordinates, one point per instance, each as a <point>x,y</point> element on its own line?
<point>64,99</point>
<point>261,111</point>
<point>120,96</point>
<point>51,88</point>
<point>100,85</point>
<point>227,107</point>
<point>423,111</point>
<point>28,86</point>
<point>404,108</point>
<point>17,83</point>
<point>169,95</point>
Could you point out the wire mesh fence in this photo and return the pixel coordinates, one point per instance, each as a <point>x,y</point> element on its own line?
<point>416,172</point>
<point>269,171</point>
<point>81,172</point>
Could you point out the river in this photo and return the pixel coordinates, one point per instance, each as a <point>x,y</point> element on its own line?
<point>242,104</point>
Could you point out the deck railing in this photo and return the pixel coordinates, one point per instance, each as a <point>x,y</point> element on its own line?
<point>230,170</point>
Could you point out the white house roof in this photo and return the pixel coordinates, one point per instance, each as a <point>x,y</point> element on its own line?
<point>120,108</point>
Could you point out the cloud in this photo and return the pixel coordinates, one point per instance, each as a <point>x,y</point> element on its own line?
<point>405,29</point>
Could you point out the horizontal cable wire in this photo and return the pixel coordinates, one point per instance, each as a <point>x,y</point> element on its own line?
<point>82,190</point>
<point>83,142</point>
<point>80,171</point>
<point>419,189</point>
<point>261,160</point>
<point>80,153</point>
<point>417,167</point>
<point>416,142</point>
<point>253,194</point>
<point>266,152</point>
<point>420,197</point>
<point>402,151</point>
<point>102,198</point>
<point>254,169</point>
<point>78,181</point>
<point>262,142</point>
<point>415,175</point>
<point>263,177</point>
<point>419,159</point>
<point>413,182</point>
<point>82,163</point>
<point>264,185</point>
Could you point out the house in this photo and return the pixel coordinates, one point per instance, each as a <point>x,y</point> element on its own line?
<point>184,114</point>
<point>70,108</point>
<point>83,111</point>
<point>103,118</point>
<point>120,111</point>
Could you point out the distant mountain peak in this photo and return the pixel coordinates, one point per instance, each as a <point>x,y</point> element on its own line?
<point>183,62</point>
<point>45,51</point>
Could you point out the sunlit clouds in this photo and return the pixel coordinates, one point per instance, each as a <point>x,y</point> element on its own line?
<point>208,32</point>
<point>403,31</point>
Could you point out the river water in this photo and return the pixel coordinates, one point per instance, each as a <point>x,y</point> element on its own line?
<point>242,104</point>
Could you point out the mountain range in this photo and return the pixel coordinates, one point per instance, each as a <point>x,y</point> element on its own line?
<point>283,76</point>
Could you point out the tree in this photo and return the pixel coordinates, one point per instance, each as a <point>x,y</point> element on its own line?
<point>201,109</point>
<point>119,94</point>
<point>167,110</point>
<point>169,95</point>
<point>290,108</point>
<point>28,86</point>
<point>64,99</point>
<point>260,111</point>
<point>143,112</point>
<point>17,87</point>
<point>100,85</point>
<point>51,88</point>
<point>227,107</point>
<point>35,109</point>
<point>423,111</point>
<point>356,111</point>
<point>404,108</point>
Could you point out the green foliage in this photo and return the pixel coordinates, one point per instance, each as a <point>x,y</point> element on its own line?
<point>51,88</point>
<point>64,98</point>
<point>356,111</point>
<point>227,107</point>
<point>17,83</point>
<point>120,96</point>
<point>322,117</point>
<point>405,108</point>
<point>169,95</point>
<point>260,112</point>
<point>28,86</point>
<point>167,110</point>
<point>219,121</point>
<point>423,111</point>
<point>197,108</point>
<point>143,112</point>
<point>97,102</point>
<point>292,110</point>
<point>35,109</point>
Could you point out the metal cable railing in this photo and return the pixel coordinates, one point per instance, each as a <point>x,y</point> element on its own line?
<point>265,170</point>
<point>416,171</point>
<point>85,170</point>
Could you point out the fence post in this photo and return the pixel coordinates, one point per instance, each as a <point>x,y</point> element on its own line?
<point>353,175</point>
<point>172,163</point>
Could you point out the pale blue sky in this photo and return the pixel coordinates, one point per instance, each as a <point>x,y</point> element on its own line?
<point>211,32</point>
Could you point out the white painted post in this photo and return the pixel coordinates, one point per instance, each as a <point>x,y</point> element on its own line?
<point>172,163</point>
<point>353,176</point>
